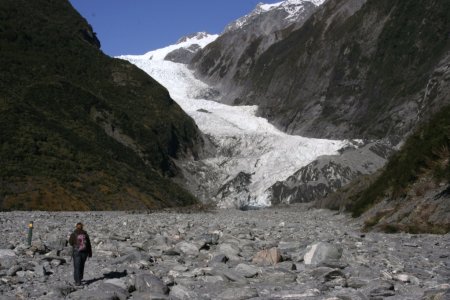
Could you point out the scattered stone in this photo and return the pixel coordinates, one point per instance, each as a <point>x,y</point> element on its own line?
<point>52,258</point>
<point>149,296</point>
<point>57,244</point>
<point>150,283</point>
<point>440,292</point>
<point>7,258</point>
<point>232,276</point>
<point>267,257</point>
<point>117,237</point>
<point>179,292</point>
<point>231,251</point>
<point>212,279</point>
<point>39,270</point>
<point>187,248</point>
<point>356,283</point>
<point>147,260</point>
<point>247,270</point>
<point>238,294</point>
<point>221,258</point>
<point>13,270</point>
<point>118,282</point>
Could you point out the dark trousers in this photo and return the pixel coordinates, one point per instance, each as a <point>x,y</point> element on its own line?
<point>79,259</point>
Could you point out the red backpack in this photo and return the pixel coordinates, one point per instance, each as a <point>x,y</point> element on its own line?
<point>81,242</point>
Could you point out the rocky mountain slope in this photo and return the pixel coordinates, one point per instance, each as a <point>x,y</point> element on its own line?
<point>413,191</point>
<point>80,130</point>
<point>354,69</point>
<point>227,62</point>
<point>329,173</point>
<point>248,154</point>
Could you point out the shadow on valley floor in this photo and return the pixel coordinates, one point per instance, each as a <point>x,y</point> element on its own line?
<point>110,275</point>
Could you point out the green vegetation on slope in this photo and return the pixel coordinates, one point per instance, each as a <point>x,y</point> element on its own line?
<point>425,152</point>
<point>353,76</point>
<point>80,130</point>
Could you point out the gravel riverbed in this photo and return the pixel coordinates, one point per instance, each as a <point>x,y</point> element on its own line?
<point>278,253</point>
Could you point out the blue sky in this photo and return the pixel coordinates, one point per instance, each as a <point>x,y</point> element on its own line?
<point>137,26</point>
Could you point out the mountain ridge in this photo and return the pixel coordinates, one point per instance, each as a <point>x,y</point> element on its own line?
<point>80,130</point>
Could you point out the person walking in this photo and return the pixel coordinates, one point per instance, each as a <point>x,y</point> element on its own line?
<point>81,245</point>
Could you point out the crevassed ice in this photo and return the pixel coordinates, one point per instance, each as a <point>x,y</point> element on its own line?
<point>255,146</point>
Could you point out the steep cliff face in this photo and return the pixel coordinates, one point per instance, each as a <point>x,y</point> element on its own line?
<point>356,68</point>
<point>412,192</point>
<point>226,62</point>
<point>330,173</point>
<point>80,130</point>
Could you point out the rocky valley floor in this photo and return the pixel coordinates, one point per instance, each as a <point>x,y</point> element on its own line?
<point>278,253</point>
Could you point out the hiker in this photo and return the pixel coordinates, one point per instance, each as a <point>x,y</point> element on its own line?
<point>79,240</point>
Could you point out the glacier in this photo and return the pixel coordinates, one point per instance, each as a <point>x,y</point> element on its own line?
<point>251,154</point>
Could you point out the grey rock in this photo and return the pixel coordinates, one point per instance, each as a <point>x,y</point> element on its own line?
<point>171,252</point>
<point>179,292</point>
<point>320,252</point>
<point>7,258</point>
<point>278,277</point>
<point>149,296</point>
<point>210,238</point>
<point>118,237</point>
<point>212,279</point>
<point>407,278</point>
<point>356,283</point>
<point>441,292</point>
<point>381,289</point>
<point>104,292</point>
<point>238,294</point>
<point>182,55</point>
<point>57,244</point>
<point>39,247</point>
<point>134,256</point>
<point>329,173</point>
<point>246,270</point>
<point>221,258</point>
<point>233,276</point>
<point>150,283</point>
<point>187,248</point>
<point>13,270</point>
<point>39,270</point>
<point>121,283</point>
<point>230,250</point>
<point>287,265</point>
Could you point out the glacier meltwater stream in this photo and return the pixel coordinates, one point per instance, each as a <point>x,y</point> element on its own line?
<point>252,154</point>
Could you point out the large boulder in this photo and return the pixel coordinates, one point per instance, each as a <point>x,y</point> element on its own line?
<point>321,252</point>
<point>187,248</point>
<point>7,258</point>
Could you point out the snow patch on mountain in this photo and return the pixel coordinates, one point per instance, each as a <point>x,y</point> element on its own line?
<point>293,8</point>
<point>201,39</point>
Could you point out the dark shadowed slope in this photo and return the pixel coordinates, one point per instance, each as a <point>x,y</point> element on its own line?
<point>80,130</point>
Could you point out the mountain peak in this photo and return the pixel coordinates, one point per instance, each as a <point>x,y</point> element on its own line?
<point>293,8</point>
<point>194,37</point>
